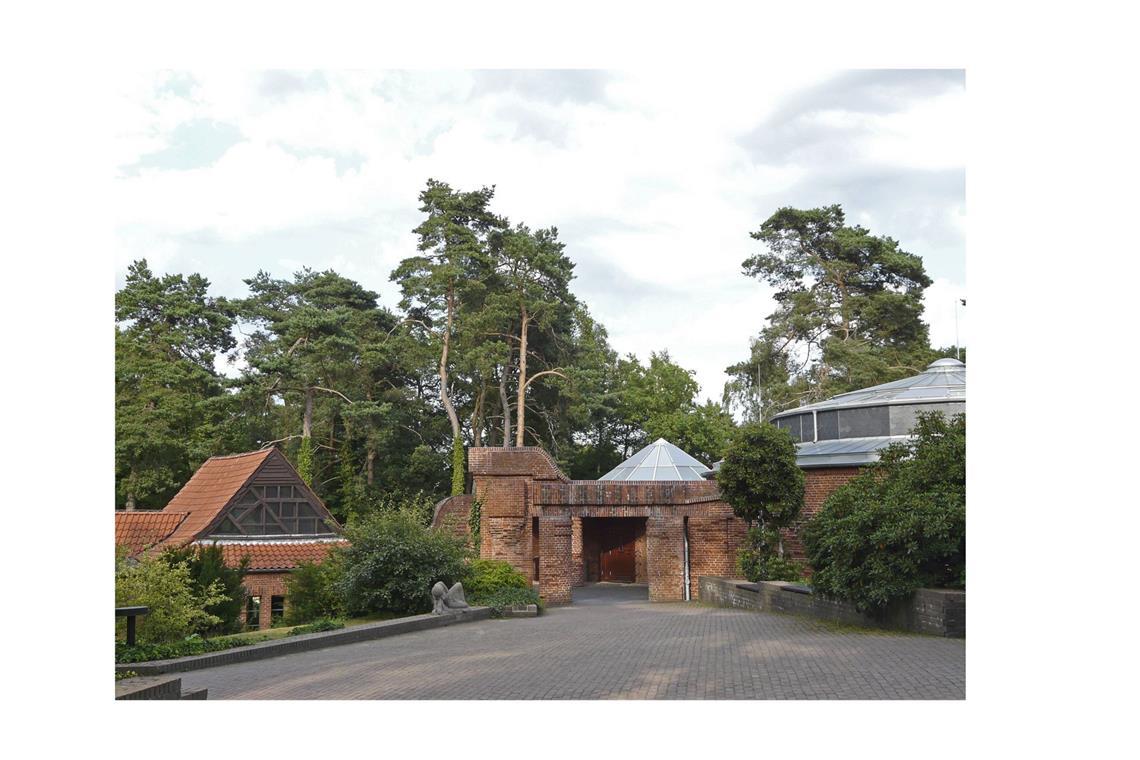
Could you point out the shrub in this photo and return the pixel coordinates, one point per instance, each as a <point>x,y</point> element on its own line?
<point>507,596</point>
<point>317,626</point>
<point>759,477</point>
<point>313,591</point>
<point>898,526</point>
<point>165,651</point>
<point>491,575</point>
<point>206,565</point>
<point>394,560</point>
<point>760,561</point>
<point>177,608</point>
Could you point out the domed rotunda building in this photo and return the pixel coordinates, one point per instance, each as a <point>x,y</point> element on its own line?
<point>838,436</point>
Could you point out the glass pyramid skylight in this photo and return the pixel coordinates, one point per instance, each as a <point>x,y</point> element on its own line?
<point>659,460</point>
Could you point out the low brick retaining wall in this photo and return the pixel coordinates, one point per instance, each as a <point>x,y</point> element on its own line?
<point>155,687</point>
<point>305,642</point>
<point>939,612</point>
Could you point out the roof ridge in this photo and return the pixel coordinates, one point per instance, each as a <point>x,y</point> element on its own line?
<point>243,454</point>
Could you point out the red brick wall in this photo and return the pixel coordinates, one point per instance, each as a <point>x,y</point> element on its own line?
<point>265,585</point>
<point>819,483</point>
<point>714,541</point>
<point>452,514</point>
<point>556,567</point>
<point>640,567</point>
<point>664,539</point>
<point>508,539</point>
<point>576,549</point>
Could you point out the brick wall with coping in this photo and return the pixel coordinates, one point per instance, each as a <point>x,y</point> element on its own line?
<point>518,484</point>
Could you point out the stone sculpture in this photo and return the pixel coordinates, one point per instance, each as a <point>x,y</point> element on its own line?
<point>446,600</point>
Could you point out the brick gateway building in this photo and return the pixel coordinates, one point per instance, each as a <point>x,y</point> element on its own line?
<point>667,532</point>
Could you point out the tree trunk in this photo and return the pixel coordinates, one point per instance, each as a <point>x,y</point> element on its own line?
<point>369,466</point>
<point>307,419</point>
<point>506,404</point>
<point>477,417</point>
<point>443,396</point>
<point>130,492</point>
<point>520,422</point>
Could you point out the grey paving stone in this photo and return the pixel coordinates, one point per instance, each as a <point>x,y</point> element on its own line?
<point>626,650</point>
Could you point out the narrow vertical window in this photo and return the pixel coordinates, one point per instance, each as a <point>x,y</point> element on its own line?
<point>276,610</point>
<point>253,612</point>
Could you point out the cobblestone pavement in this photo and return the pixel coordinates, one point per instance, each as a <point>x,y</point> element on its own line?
<point>610,644</point>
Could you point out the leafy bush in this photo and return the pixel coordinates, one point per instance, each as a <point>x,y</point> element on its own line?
<point>759,560</point>
<point>393,561</point>
<point>190,646</point>
<point>759,477</point>
<point>313,590</point>
<point>507,596</point>
<point>899,525</point>
<point>317,626</point>
<point>177,607</point>
<point>490,575</point>
<point>206,565</point>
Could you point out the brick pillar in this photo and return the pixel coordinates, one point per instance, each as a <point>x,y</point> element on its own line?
<point>664,548</point>
<point>576,551</point>
<point>714,541</point>
<point>557,573</point>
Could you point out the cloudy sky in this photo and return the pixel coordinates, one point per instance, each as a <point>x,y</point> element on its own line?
<point>654,179</point>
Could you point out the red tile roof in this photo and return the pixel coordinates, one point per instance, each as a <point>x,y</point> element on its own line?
<point>209,490</point>
<point>138,530</point>
<point>278,555</point>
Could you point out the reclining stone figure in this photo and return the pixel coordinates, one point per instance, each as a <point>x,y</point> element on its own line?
<point>446,600</point>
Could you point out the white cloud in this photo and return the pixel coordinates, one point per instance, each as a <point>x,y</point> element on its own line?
<point>945,313</point>
<point>654,178</point>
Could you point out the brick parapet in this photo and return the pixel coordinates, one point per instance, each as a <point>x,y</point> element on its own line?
<point>531,461</point>
<point>601,492</point>
<point>453,515</point>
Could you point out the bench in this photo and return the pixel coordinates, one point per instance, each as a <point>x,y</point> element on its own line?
<point>130,613</point>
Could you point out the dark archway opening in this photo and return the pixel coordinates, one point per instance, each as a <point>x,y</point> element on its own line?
<point>613,549</point>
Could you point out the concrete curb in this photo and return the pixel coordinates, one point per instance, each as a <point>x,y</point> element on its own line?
<point>305,643</point>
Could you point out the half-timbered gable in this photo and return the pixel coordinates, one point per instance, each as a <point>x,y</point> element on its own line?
<point>258,509</point>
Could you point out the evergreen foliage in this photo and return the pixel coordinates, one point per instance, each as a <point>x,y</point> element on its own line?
<point>759,478</point>
<point>207,565</point>
<point>899,525</point>
<point>491,575</point>
<point>848,315</point>
<point>394,560</point>
<point>314,590</point>
<point>475,525</point>
<point>169,400</point>
<point>305,460</point>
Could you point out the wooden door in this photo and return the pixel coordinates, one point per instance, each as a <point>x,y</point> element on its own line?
<point>617,555</point>
<point>617,564</point>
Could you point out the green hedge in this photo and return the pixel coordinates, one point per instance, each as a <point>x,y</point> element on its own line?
<point>185,648</point>
<point>317,626</point>
<point>507,597</point>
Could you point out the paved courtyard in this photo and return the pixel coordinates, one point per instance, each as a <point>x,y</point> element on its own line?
<point>612,644</point>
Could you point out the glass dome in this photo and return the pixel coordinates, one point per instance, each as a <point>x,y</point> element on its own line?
<point>659,460</point>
